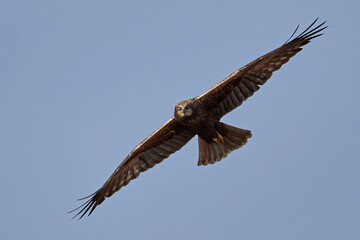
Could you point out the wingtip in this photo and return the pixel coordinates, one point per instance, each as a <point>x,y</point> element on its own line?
<point>90,204</point>
<point>309,33</point>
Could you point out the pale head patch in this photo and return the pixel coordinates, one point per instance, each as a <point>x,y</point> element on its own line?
<point>183,109</point>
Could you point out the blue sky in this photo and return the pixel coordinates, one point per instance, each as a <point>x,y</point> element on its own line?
<point>83,82</point>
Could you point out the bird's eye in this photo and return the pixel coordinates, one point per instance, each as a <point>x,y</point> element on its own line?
<point>179,108</point>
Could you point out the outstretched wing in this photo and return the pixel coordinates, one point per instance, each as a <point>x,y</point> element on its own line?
<point>168,139</point>
<point>235,89</point>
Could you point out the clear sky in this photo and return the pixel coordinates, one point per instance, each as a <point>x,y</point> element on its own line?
<point>83,82</point>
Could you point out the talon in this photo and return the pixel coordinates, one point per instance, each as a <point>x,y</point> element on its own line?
<point>216,140</point>
<point>219,138</point>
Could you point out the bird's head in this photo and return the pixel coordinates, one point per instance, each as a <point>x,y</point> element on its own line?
<point>184,108</point>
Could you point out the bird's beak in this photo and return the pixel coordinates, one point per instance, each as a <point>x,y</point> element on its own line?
<point>182,113</point>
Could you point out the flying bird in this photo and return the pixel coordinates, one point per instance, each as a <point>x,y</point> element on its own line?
<point>201,116</point>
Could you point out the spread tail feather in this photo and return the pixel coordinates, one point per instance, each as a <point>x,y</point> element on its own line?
<point>234,138</point>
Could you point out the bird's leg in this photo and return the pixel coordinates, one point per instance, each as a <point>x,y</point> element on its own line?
<point>218,138</point>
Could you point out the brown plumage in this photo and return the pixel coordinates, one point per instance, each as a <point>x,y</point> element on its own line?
<point>201,116</point>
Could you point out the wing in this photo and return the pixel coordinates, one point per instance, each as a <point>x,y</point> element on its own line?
<point>168,139</point>
<point>235,89</point>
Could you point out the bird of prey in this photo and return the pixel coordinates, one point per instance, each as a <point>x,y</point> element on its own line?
<point>201,116</point>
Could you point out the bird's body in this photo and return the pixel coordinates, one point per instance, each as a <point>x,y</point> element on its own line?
<point>201,116</point>
<point>198,118</point>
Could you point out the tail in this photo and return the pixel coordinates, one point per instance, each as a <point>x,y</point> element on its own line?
<point>234,138</point>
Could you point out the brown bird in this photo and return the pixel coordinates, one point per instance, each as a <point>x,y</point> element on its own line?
<point>201,116</point>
